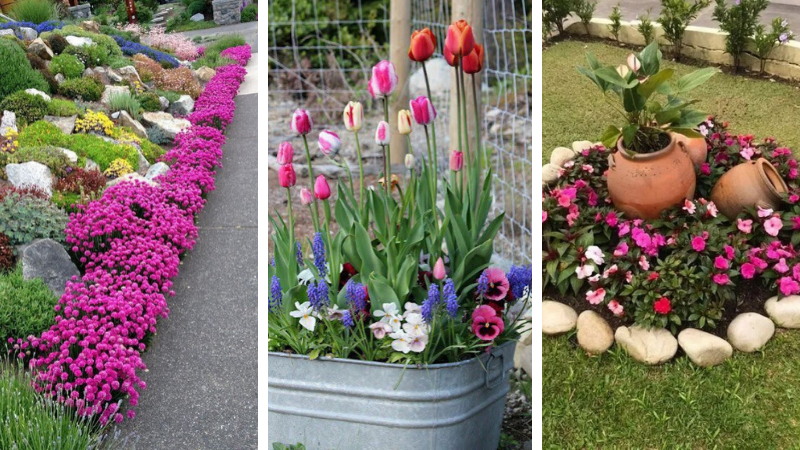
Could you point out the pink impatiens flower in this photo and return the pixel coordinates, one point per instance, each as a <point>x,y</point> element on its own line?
<point>781,266</point>
<point>748,271</point>
<point>721,263</point>
<point>689,206</point>
<point>596,297</point>
<point>698,243</point>
<point>621,250</point>
<point>595,254</point>
<point>745,226</point>
<point>788,286</point>
<point>616,308</point>
<point>584,271</point>
<point>721,278</point>
<point>747,153</point>
<point>773,225</point>
<point>764,212</point>
<point>643,263</point>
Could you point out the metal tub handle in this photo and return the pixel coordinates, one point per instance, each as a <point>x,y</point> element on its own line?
<point>499,379</point>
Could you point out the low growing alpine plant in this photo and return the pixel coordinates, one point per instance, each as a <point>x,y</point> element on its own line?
<point>685,268</point>
<point>403,279</point>
<point>131,48</point>
<point>128,243</point>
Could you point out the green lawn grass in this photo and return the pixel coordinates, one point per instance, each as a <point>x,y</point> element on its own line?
<point>611,401</point>
<point>573,108</point>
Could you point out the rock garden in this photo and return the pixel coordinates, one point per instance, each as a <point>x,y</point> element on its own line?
<point>107,147</point>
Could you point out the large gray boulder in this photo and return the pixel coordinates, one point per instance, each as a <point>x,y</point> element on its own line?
<point>156,170</point>
<point>704,349</point>
<point>39,93</point>
<point>113,90</point>
<point>438,76</point>
<point>39,48</point>
<point>595,336</point>
<point>130,74</point>
<point>205,73</point>
<point>27,33</point>
<point>8,122</point>
<point>79,41</point>
<point>182,106</point>
<point>784,312</point>
<point>46,259</point>
<point>169,125</point>
<point>65,124</point>
<point>31,174</point>
<point>126,120</point>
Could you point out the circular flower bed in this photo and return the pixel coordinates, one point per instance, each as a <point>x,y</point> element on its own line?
<point>692,267</point>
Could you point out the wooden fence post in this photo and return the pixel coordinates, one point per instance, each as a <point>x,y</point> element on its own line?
<point>399,41</point>
<point>472,12</point>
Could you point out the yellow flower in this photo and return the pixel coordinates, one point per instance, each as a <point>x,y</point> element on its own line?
<point>118,168</point>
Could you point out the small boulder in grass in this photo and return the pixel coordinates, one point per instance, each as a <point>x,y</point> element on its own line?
<point>557,318</point>
<point>579,146</point>
<point>550,173</point>
<point>749,332</point>
<point>65,124</point>
<point>46,259</point>
<point>650,346</point>
<point>205,73</point>
<point>594,333</point>
<point>784,312</point>
<point>28,33</point>
<point>704,349</point>
<point>39,93</point>
<point>562,155</point>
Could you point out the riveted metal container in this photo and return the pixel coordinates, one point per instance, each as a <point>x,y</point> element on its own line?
<point>347,404</point>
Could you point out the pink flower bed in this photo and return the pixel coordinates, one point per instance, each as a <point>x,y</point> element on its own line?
<point>129,242</point>
<point>240,54</point>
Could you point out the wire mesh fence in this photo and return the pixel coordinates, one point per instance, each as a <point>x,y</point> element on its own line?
<point>320,57</point>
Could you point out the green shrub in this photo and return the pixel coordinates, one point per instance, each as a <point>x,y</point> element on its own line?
<point>150,102</point>
<point>111,31</point>
<point>250,13</point>
<point>675,16</point>
<point>57,43</point>
<point>28,417</point>
<point>87,89</point>
<point>124,101</point>
<point>36,62</point>
<point>31,219</point>
<point>143,13</point>
<point>40,134</point>
<point>62,108</point>
<point>26,306</point>
<point>212,60</point>
<point>51,157</point>
<point>739,20</point>
<point>36,11</point>
<point>225,42</point>
<point>28,107</point>
<point>107,43</point>
<point>16,72</point>
<point>156,135</point>
<point>169,95</point>
<point>115,62</point>
<point>67,64</point>
<point>82,53</point>
<point>197,6</point>
<point>151,151</point>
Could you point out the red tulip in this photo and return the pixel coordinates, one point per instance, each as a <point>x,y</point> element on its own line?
<point>285,153</point>
<point>422,110</point>
<point>423,44</point>
<point>383,81</point>
<point>286,176</point>
<point>321,188</point>
<point>460,39</point>
<point>301,122</point>
<point>450,58</point>
<point>473,62</point>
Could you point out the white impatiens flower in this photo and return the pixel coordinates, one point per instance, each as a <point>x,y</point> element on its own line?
<point>415,325</point>
<point>306,315</point>
<point>389,310</point>
<point>584,271</point>
<point>402,341</point>
<point>595,254</point>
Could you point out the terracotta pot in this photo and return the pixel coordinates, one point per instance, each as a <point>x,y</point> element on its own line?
<point>697,147</point>
<point>753,183</point>
<point>643,185</point>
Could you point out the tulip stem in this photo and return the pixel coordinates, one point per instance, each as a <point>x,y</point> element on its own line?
<point>311,183</point>
<point>458,111</point>
<point>361,200</point>
<point>431,176</point>
<point>291,218</point>
<point>464,108</point>
<point>435,161</point>
<point>386,151</point>
<point>332,257</point>
<point>477,123</point>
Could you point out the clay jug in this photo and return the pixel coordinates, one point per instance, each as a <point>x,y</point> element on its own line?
<point>643,185</point>
<point>697,148</point>
<point>752,183</point>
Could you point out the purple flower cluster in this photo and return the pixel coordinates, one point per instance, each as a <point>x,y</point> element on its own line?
<point>299,255</point>
<point>318,247</point>
<point>318,294</point>
<point>430,303</point>
<point>450,298</point>
<point>240,54</point>
<point>347,319</point>
<point>129,243</point>
<point>483,284</point>
<point>276,296</point>
<point>355,295</point>
<point>520,278</point>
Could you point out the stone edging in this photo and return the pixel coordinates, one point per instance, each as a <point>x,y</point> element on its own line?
<point>702,43</point>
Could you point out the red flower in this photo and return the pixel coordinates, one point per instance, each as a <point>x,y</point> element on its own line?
<point>473,62</point>
<point>662,306</point>
<point>652,276</point>
<point>423,44</point>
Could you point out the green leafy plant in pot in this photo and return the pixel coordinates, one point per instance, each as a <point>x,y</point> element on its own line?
<point>652,168</point>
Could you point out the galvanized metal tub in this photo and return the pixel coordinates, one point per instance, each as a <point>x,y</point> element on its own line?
<point>347,404</point>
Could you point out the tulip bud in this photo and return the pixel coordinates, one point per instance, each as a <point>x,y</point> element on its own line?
<point>382,133</point>
<point>456,160</point>
<point>423,44</point>
<point>438,270</point>
<point>383,81</point>
<point>285,153</point>
<point>306,197</point>
<point>473,62</point>
<point>404,121</point>
<point>422,110</point>
<point>353,116</point>
<point>409,161</point>
<point>321,188</point>
<point>286,176</point>
<point>633,63</point>
<point>460,40</point>
<point>301,122</point>
<point>329,143</point>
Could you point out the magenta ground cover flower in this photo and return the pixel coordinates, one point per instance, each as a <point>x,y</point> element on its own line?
<point>129,243</point>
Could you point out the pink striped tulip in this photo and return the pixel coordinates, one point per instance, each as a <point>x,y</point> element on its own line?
<point>285,153</point>
<point>286,176</point>
<point>456,160</point>
<point>329,143</point>
<point>382,133</point>
<point>301,122</point>
<point>353,116</point>
<point>404,121</point>
<point>422,110</point>
<point>321,188</point>
<point>383,81</point>
<point>306,197</point>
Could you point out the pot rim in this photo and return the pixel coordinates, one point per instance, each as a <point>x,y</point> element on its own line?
<point>630,156</point>
<point>763,167</point>
<point>493,351</point>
